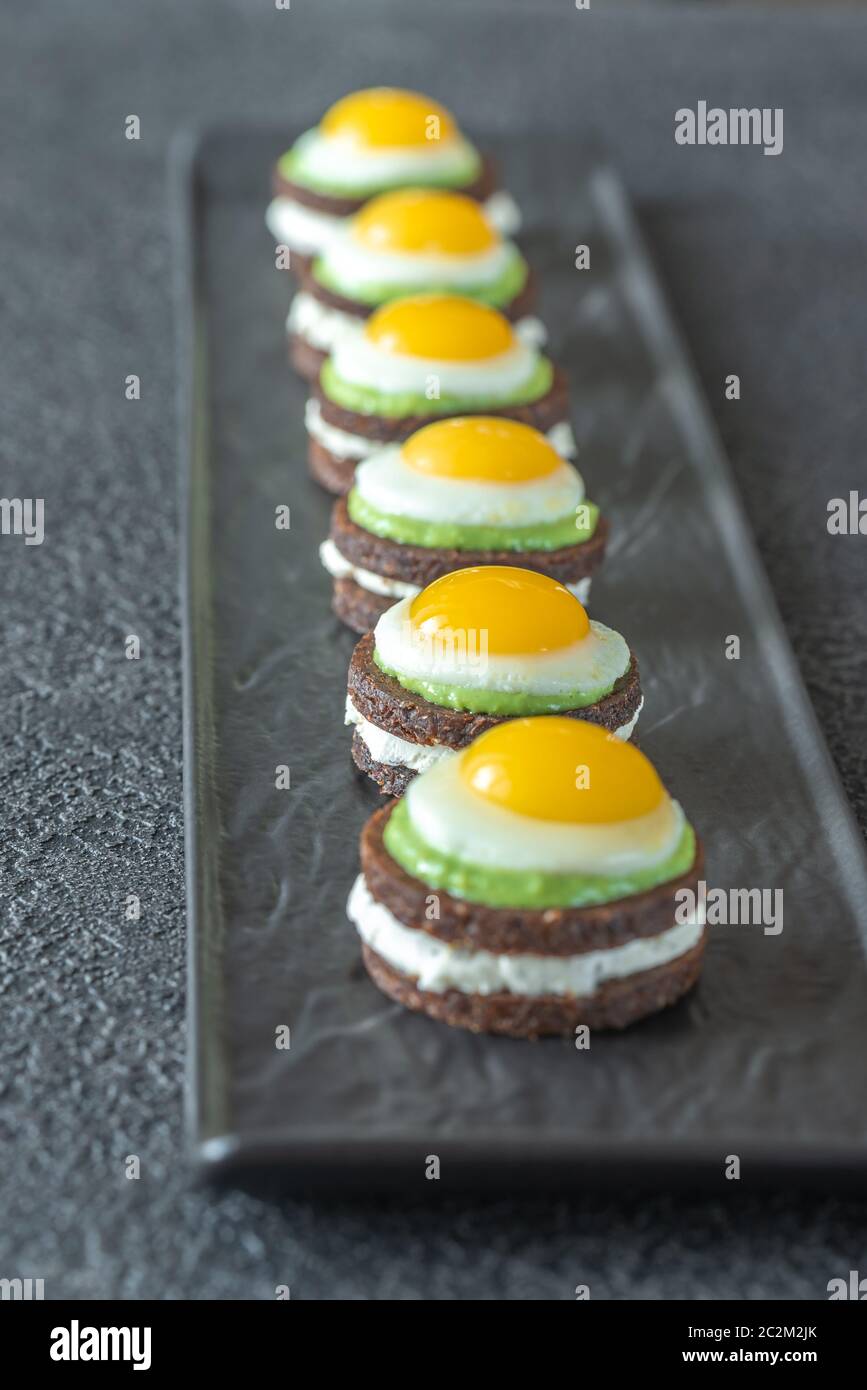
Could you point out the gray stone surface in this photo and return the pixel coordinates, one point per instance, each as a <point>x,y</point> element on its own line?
<point>765,263</point>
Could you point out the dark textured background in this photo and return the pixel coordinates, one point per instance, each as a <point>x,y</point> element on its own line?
<point>765,263</point>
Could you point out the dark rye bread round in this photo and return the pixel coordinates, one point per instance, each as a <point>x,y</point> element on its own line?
<point>421,565</point>
<point>549,410</point>
<point>383,701</point>
<point>361,609</point>
<point>307,360</point>
<point>358,608</point>
<point>304,358</point>
<point>391,778</point>
<point>480,189</point>
<point>551,931</point>
<point>336,474</point>
<point>616,1003</point>
<point>522,303</point>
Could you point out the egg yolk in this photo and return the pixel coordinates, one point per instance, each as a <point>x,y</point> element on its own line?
<point>389,118</point>
<point>443,327</point>
<point>415,221</point>
<point>481,448</point>
<point>504,610</point>
<point>555,769</point>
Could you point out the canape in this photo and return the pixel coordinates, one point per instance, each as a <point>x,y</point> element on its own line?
<point>367,143</point>
<point>473,649</point>
<point>410,242</point>
<point>532,884</point>
<point>421,359</point>
<point>472,490</point>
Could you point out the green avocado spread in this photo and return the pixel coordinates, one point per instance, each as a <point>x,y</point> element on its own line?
<point>523,888</point>
<point>571,529</point>
<point>497,293</point>
<point>499,702</point>
<point>293,166</point>
<point>394,405</point>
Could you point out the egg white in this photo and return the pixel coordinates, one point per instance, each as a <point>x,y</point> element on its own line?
<point>340,160</point>
<point>598,660</point>
<point>363,363</point>
<point>350,262</point>
<point>390,485</point>
<point>452,818</point>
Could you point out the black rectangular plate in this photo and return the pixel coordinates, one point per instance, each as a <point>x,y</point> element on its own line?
<point>766,1058</point>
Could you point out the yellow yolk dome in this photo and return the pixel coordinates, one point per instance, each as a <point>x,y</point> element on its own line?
<point>481,448</point>
<point>445,327</point>
<point>556,769</point>
<point>389,118</point>
<point>416,221</point>
<point>514,611</point>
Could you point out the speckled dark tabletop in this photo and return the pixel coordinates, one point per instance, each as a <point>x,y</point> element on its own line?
<point>766,267</point>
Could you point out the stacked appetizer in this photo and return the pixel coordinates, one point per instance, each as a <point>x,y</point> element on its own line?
<point>473,490</point>
<point>371,142</point>
<point>553,855</point>
<point>420,359</point>
<point>402,243</point>
<point>525,879</point>
<point>473,649</point>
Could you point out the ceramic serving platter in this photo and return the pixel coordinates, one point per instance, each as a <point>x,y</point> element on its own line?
<point>765,1060</point>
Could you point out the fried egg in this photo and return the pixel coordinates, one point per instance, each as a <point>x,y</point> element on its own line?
<point>381,137</point>
<point>418,238</point>
<point>434,345</point>
<point>500,628</point>
<point>549,794</point>
<point>476,470</point>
